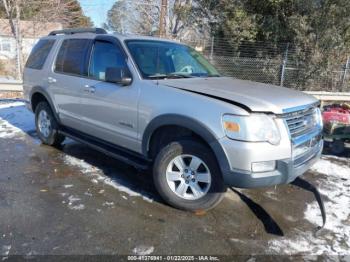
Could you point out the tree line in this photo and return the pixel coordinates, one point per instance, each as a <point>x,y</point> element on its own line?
<point>317,31</point>
<point>66,12</point>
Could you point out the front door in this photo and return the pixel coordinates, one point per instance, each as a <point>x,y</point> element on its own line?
<point>109,110</point>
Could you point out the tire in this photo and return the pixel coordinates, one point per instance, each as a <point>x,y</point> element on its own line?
<point>172,191</point>
<point>48,135</point>
<point>337,147</point>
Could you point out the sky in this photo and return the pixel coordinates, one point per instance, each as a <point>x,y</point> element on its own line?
<point>97,10</point>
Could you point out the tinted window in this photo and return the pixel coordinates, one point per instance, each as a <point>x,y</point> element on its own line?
<point>105,55</point>
<point>73,56</point>
<point>39,54</point>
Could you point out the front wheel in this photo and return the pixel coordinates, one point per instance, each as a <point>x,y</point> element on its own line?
<point>187,176</point>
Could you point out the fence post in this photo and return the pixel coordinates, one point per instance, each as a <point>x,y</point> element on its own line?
<point>345,73</point>
<point>284,63</point>
<point>211,49</point>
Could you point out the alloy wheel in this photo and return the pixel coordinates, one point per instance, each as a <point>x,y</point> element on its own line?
<point>188,177</point>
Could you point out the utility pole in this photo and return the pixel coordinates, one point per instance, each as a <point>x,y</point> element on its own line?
<point>162,20</point>
<point>284,64</point>
<point>346,68</point>
<point>211,49</point>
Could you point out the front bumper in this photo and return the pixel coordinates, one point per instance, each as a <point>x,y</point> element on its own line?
<point>287,169</point>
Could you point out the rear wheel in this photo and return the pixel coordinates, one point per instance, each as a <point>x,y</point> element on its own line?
<point>46,125</point>
<point>187,176</point>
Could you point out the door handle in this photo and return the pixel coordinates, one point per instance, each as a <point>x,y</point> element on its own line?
<point>89,89</point>
<point>51,80</point>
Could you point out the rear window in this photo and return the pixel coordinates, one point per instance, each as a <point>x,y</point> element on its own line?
<point>72,57</point>
<point>38,56</point>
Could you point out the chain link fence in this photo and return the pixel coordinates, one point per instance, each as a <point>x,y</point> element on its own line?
<point>280,64</point>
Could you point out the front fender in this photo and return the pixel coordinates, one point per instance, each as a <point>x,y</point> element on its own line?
<point>194,125</point>
<point>178,120</point>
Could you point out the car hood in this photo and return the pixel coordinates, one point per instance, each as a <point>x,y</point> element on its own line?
<point>257,97</point>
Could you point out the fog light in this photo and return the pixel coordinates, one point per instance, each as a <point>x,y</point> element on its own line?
<point>264,166</point>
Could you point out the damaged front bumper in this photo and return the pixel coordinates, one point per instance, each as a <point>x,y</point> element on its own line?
<point>286,170</point>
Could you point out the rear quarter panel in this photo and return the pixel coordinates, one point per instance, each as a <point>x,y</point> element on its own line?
<point>32,78</point>
<point>37,78</point>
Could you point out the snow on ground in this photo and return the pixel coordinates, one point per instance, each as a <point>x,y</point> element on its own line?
<point>337,191</point>
<point>5,250</point>
<point>97,176</point>
<point>335,188</point>
<point>15,119</point>
<point>73,203</point>
<point>143,250</point>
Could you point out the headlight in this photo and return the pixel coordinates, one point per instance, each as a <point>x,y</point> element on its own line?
<point>252,128</point>
<point>318,117</point>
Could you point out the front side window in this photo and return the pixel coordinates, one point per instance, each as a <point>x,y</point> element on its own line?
<point>157,59</point>
<point>72,57</point>
<point>105,55</point>
<point>38,56</point>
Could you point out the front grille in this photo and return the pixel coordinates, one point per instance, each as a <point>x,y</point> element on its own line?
<point>301,122</point>
<point>314,148</point>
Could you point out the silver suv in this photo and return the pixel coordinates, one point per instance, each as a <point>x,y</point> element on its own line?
<point>158,103</point>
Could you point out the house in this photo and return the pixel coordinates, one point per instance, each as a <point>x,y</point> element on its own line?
<point>31,32</point>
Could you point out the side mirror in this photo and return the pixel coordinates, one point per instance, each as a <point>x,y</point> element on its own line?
<point>118,75</point>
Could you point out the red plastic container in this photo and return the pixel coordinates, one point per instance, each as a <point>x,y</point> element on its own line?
<point>339,114</point>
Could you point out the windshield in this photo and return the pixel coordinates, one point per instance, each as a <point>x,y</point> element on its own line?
<point>157,59</point>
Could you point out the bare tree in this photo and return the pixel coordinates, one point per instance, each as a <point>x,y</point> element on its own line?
<point>179,18</point>
<point>13,14</point>
<point>40,13</point>
<point>148,17</point>
<point>144,17</point>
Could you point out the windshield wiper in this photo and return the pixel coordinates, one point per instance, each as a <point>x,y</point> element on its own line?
<point>214,75</point>
<point>169,76</point>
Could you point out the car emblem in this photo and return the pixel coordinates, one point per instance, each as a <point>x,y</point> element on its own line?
<point>306,122</point>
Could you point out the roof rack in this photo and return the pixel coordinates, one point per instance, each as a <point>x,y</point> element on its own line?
<point>78,31</point>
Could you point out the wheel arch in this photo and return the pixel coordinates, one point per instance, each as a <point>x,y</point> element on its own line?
<point>39,94</point>
<point>189,123</point>
<point>178,121</point>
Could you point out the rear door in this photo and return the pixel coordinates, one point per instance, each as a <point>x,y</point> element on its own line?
<point>68,78</point>
<point>110,110</point>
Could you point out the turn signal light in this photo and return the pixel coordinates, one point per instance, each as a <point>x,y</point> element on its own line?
<point>231,126</point>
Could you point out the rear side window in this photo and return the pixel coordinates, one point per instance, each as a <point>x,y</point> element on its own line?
<point>38,56</point>
<point>72,57</point>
